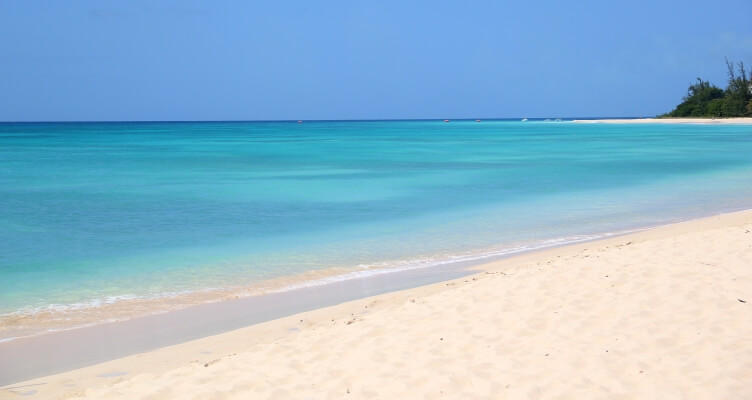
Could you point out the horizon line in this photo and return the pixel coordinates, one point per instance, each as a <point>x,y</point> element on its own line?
<point>311,120</point>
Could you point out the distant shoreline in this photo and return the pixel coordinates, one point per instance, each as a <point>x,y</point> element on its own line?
<point>737,121</point>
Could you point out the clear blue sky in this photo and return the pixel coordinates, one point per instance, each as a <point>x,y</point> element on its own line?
<point>351,59</point>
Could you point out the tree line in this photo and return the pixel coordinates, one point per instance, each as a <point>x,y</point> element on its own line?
<point>703,99</point>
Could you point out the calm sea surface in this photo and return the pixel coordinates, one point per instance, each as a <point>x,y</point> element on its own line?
<point>95,214</point>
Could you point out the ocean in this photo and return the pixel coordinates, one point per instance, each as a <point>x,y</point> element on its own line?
<point>106,221</point>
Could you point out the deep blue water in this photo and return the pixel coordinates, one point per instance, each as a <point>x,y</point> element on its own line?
<point>90,211</point>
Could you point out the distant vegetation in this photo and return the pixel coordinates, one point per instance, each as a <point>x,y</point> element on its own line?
<point>704,99</point>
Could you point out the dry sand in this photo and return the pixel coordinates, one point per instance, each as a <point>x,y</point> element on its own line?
<point>660,314</point>
<point>738,121</point>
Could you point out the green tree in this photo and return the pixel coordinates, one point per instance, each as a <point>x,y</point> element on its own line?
<point>704,99</point>
<point>715,108</point>
<point>697,99</point>
<point>738,93</point>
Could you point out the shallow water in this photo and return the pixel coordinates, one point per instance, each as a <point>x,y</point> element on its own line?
<point>102,216</point>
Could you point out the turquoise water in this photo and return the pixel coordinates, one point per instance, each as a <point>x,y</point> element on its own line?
<point>92,213</point>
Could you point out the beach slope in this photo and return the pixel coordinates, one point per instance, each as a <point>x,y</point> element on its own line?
<point>660,314</point>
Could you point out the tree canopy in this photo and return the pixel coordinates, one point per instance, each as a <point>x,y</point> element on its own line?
<point>703,99</point>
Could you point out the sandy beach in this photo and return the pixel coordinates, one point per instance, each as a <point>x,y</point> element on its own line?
<point>659,314</point>
<point>739,121</point>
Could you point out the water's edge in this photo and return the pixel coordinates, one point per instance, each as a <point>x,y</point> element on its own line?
<point>58,318</point>
<point>55,352</point>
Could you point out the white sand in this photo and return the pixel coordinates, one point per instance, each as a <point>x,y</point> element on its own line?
<point>651,315</point>
<point>739,121</point>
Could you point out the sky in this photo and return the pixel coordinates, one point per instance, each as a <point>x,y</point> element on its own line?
<point>148,60</point>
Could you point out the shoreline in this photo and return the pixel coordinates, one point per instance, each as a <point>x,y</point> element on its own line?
<point>60,318</point>
<point>112,312</point>
<point>224,347</point>
<point>700,121</point>
<point>130,336</point>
